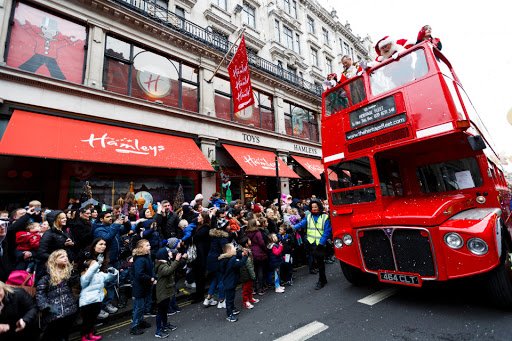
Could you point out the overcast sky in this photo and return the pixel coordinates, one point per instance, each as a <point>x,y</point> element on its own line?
<point>476,37</point>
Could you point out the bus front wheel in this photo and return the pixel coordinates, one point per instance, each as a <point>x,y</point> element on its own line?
<point>500,279</point>
<point>355,276</point>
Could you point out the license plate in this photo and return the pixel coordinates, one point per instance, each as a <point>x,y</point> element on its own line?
<point>400,278</point>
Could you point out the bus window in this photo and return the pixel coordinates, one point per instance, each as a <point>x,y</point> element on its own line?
<point>345,175</point>
<point>345,96</point>
<point>335,101</point>
<point>449,176</point>
<point>389,176</point>
<point>395,74</point>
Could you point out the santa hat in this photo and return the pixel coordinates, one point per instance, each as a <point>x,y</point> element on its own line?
<point>383,42</point>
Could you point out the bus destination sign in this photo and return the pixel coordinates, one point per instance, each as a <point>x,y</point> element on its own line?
<point>390,122</point>
<point>373,112</point>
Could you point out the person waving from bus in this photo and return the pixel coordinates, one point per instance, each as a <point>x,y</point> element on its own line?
<point>349,69</point>
<point>318,231</point>
<point>388,47</point>
<point>426,34</point>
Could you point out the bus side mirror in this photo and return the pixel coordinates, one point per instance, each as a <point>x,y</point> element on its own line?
<point>476,142</point>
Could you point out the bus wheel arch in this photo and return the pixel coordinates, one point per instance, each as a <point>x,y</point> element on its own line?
<point>499,282</point>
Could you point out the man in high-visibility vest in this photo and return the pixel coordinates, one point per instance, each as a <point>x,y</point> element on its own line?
<point>318,230</point>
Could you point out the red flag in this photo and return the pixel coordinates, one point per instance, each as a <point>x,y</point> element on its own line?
<point>239,77</point>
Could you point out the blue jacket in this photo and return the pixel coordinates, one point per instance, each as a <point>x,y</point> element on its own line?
<point>303,224</point>
<point>142,274</point>
<point>92,282</point>
<point>230,268</point>
<point>112,235</point>
<point>188,231</point>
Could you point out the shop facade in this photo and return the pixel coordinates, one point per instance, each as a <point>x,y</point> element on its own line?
<point>100,93</point>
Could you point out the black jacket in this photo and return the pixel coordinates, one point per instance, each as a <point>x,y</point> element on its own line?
<point>230,268</point>
<point>202,242</point>
<point>81,230</point>
<point>19,305</point>
<point>168,225</point>
<point>52,240</point>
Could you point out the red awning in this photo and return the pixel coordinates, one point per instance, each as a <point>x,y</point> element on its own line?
<point>313,166</point>
<point>31,134</point>
<point>259,162</point>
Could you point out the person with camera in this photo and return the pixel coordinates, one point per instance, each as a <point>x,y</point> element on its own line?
<point>112,233</point>
<point>166,220</point>
<point>318,230</point>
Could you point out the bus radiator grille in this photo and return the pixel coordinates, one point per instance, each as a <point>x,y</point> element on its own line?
<point>412,251</point>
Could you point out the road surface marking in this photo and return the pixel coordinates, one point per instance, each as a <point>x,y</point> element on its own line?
<point>305,332</point>
<point>378,296</point>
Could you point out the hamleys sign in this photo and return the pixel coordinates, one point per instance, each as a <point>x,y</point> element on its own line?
<point>96,142</point>
<point>123,145</point>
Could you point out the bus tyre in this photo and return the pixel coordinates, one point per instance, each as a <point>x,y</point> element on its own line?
<point>354,275</point>
<point>500,280</point>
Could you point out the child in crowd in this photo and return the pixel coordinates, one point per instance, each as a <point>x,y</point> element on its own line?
<point>230,264</point>
<point>247,276</point>
<point>142,284</point>
<point>286,238</point>
<point>165,266</point>
<point>27,244</point>
<point>174,245</point>
<point>93,282</point>
<point>275,260</point>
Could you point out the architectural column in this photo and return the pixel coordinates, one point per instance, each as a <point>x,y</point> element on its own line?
<point>96,56</point>
<point>279,112</point>
<point>208,179</point>
<point>5,11</point>
<point>207,91</point>
<point>285,182</point>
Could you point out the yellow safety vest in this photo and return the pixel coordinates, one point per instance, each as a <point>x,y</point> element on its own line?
<point>315,230</point>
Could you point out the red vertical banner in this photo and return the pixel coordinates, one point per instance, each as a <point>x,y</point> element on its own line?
<point>239,77</point>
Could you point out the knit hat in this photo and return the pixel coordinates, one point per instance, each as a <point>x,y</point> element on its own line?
<point>162,254</point>
<point>222,223</point>
<point>172,243</point>
<point>199,196</point>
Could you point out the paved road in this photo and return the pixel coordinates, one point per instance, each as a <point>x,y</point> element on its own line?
<point>341,311</point>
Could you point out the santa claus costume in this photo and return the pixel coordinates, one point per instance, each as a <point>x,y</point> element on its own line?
<point>397,46</point>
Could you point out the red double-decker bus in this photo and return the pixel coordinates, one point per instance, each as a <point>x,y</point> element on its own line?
<point>415,188</point>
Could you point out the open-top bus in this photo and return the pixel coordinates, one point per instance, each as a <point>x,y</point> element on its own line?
<point>415,188</point>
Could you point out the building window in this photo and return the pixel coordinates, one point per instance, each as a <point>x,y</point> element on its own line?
<point>311,25</point>
<point>249,15</point>
<point>260,114</point>
<point>314,56</point>
<point>328,65</point>
<point>180,12</point>
<point>290,7</point>
<point>278,30</point>
<point>222,4</point>
<point>288,37</point>
<point>297,43</point>
<point>325,34</point>
<point>300,122</point>
<point>133,71</point>
<point>156,8</point>
<point>346,49</point>
<point>46,44</point>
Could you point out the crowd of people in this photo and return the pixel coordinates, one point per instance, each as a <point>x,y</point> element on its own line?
<point>57,266</point>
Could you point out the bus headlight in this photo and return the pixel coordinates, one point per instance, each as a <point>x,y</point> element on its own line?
<point>347,239</point>
<point>477,246</point>
<point>338,243</point>
<point>453,240</point>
